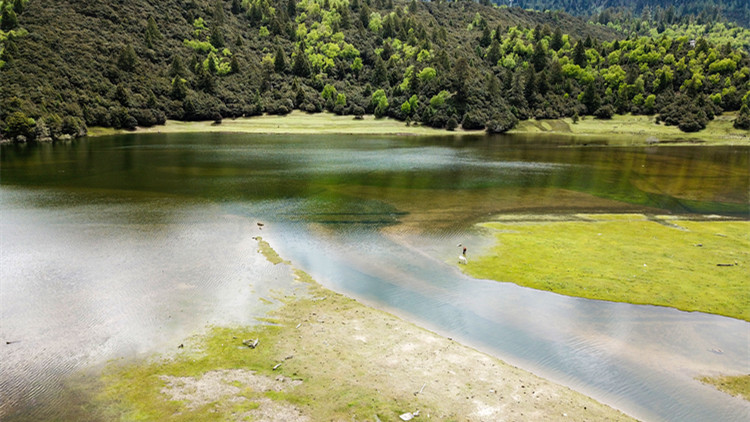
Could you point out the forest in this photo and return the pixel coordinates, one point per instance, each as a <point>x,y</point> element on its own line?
<point>66,65</point>
<point>702,11</point>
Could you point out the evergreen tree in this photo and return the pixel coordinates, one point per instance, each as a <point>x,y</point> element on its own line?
<point>127,59</point>
<point>530,90</point>
<point>579,55</point>
<point>539,57</point>
<point>379,72</point>
<point>218,13</point>
<point>291,9</point>
<point>486,37</point>
<point>345,19</point>
<point>18,6</point>
<point>9,19</point>
<point>556,42</point>
<point>590,98</point>
<point>205,80</point>
<point>588,43</point>
<point>217,37</point>
<point>279,61</point>
<point>122,95</point>
<point>301,67</point>
<point>494,55</point>
<point>236,7</point>
<point>152,33</point>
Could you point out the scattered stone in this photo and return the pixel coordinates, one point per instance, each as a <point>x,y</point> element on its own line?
<point>406,416</point>
<point>275,367</point>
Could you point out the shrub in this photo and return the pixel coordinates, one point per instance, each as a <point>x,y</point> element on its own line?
<point>743,118</point>
<point>19,124</point>
<point>604,112</point>
<point>474,120</point>
<point>451,124</point>
<point>501,122</point>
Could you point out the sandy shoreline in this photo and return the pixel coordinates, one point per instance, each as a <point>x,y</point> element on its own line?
<point>337,359</point>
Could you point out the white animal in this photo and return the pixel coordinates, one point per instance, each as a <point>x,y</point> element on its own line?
<point>462,257</point>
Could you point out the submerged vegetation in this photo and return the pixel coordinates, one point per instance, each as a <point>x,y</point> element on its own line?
<point>440,64</point>
<point>688,265</point>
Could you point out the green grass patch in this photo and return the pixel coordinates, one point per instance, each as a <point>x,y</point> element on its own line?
<point>738,386</point>
<point>627,258</point>
<point>636,130</point>
<point>268,252</point>
<point>133,391</point>
<point>296,122</point>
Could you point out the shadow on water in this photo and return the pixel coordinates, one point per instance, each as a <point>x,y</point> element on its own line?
<point>122,246</point>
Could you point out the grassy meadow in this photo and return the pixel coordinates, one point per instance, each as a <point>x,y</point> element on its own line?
<point>637,130</point>
<point>296,122</point>
<point>664,261</point>
<point>625,130</point>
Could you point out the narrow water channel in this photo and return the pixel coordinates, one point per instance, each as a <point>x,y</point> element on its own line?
<point>126,245</point>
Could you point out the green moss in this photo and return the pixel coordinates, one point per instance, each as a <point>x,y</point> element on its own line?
<point>735,385</point>
<point>627,258</point>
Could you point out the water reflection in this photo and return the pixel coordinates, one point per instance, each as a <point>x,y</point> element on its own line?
<point>122,245</point>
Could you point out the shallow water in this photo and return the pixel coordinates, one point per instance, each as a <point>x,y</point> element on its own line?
<point>124,246</point>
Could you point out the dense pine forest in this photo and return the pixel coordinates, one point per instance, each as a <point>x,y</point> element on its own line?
<point>66,65</point>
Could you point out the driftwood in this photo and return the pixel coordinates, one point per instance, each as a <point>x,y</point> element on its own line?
<point>421,389</point>
<point>275,367</point>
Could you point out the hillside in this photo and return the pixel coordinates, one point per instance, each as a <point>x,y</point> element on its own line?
<point>66,65</point>
<point>704,11</point>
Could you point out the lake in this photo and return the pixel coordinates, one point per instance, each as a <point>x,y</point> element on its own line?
<point>123,246</point>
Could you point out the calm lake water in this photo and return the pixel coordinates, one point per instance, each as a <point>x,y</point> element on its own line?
<point>124,246</point>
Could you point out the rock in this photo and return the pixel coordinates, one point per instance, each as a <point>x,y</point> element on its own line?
<point>251,343</point>
<point>406,416</point>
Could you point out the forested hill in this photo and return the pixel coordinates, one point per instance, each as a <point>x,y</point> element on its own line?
<point>67,64</point>
<point>702,11</point>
